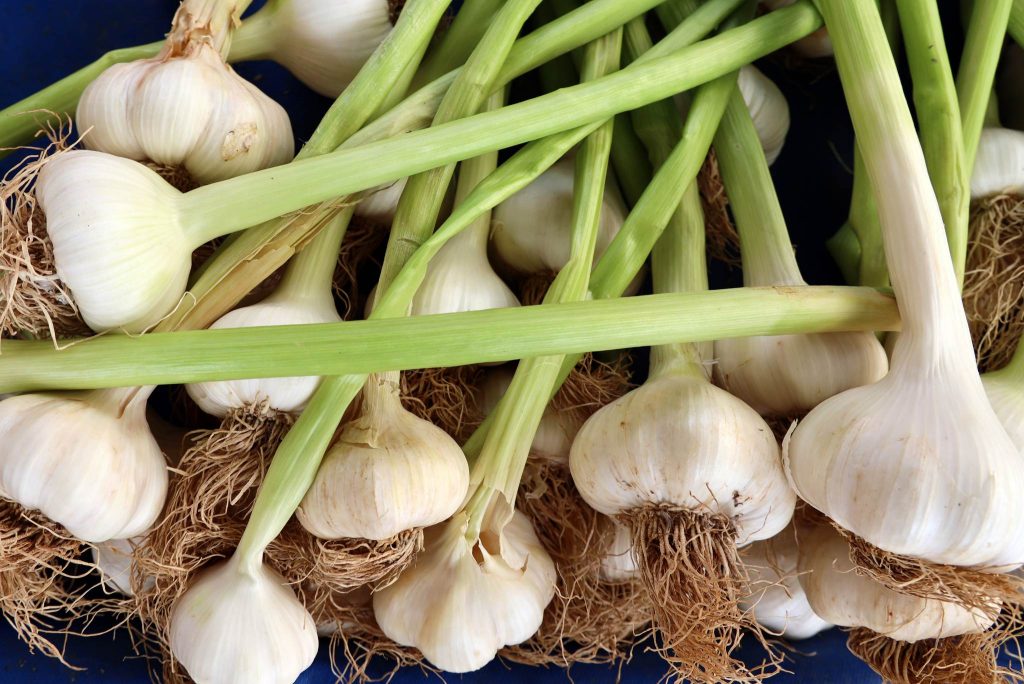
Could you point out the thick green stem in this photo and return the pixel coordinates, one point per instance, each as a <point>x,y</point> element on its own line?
<point>1015,27</point>
<point>495,335</point>
<point>517,416</point>
<point>767,252</point>
<point>938,116</point>
<point>458,41</point>
<point>310,274</point>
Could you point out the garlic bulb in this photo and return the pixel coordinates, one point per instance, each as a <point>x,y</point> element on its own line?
<point>116,242</point>
<point>531,229</point>
<point>460,278</point>
<point>556,429</point>
<point>840,595</point>
<point>85,460</point>
<point>388,472</point>
<point>619,562</point>
<point>113,560</point>
<point>287,395</point>
<point>814,46</point>
<point>325,43</point>
<point>777,598</point>
<point>788,374</point>
<point>679,439</point>
<point>242,625</point>
<point>186,108</point>
<point>464,600</point>
<point>999,164</point>
<point>768,108</point>
<point>381,203</point>
<point>1005,391</point>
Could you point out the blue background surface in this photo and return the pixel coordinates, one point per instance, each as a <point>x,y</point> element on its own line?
<point>43,40</point>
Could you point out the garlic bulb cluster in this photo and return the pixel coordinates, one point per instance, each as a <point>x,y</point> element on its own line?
<point>85,460</point>
<point>785,375</point>
<point>680,440</point>
<point>530,232</point>
<point>465,599</point>
<point>999,164</point>
<point>117,243</point>
<point>460,278</point>
<point>242,625</point>
<point>846,598</point>
<point>777,598</point>
<point>388,472</point>
<point>286,395</point>
<point>325,43</point>
<point>186,107</point>
<point>768,108</point>
<point>815,46</point>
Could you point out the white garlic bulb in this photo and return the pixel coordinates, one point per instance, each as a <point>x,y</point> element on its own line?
<point>1005,391</point>
<point>191,111</point>
<point>85,460</point>
<point>619,562</point>
<point>531,230</point>
<point>465,599</point>
<point>113,560</point>
<point>999,164</point>
<point>325,43</point>
<point>777,598</point>
<point>380,204</point>
<point>814,46</point>
<point>388,472</point>
<point>788,374</point>
<point>117,243</point>
<point>768,108</point>
<point>840,595</point>
<point>287,395</point>
<point>242,625</point>
<point>678,439</point>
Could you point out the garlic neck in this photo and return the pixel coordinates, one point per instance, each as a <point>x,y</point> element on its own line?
<point>200,23</point>
<point>310,273</point>
<point>257,37</point>
<point>120,400</point>
<point>381,394</point>
<point>676,360</point>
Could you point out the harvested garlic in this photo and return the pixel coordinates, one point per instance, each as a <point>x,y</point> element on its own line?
<point>815,46</point>
<point>113,560</point>
<point>1005,391</point>
<point>186,107</point>
<point>619,562</point>
<point>999,164</point>
<point>777,598</point>
<point>242,625</point>
<point>784,374</point>
<point>466,599</point>
<point>380,204</point>
<point>85,460</point>
<point>531,229</point>
<point>768,109</point>
<point>842,596</point>
<point>388,472</point>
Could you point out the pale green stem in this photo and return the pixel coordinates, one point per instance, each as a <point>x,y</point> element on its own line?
<point>458,41</point>
<point>310,274</point>
<point>500,466</point>
<point>1015,27</point>
<point>472,173</point>
<point>767,253</point>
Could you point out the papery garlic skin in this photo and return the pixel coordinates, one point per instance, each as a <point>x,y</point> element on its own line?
<point>286,395</point>
<point>117,243</point>
<point>1006,395</point>
<point>85,460</point>
<point>999,164</point>
<point>463,601</point>
<point>839,594</point>
<point>916,464</point>
<point>242,626</point>
<point>113,560</point>
<point>325,43</point>
<point>784,375</point>
<point>460,278</point>
<point>777,598</point>
<point>619,562</point>
<point>530,232</point>
<point>389,471</point>
<point>188,111</point>
<point>768,109</point>
<point>682,441</point>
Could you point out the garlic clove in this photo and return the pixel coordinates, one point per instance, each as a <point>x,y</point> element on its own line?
<point>916,464</point>
<point>1006,394</point>
<point>999,164</point>
<point>113,560</point>
<point>192,111</point>
<point>777,598</point>
<point>768,109</point>
<point>242,626</point>
<point>388,472</point>
<point>287,395</point>
<point>619,562</point>
<point>530,232</point>
<point>465,599</point>
<point>681,440</point>
<point>841,595</point>
<point>86,461</point>
<point>461,279</point>
<point>785,375</point>
<point>117,244</point>
<point>326,43</point>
